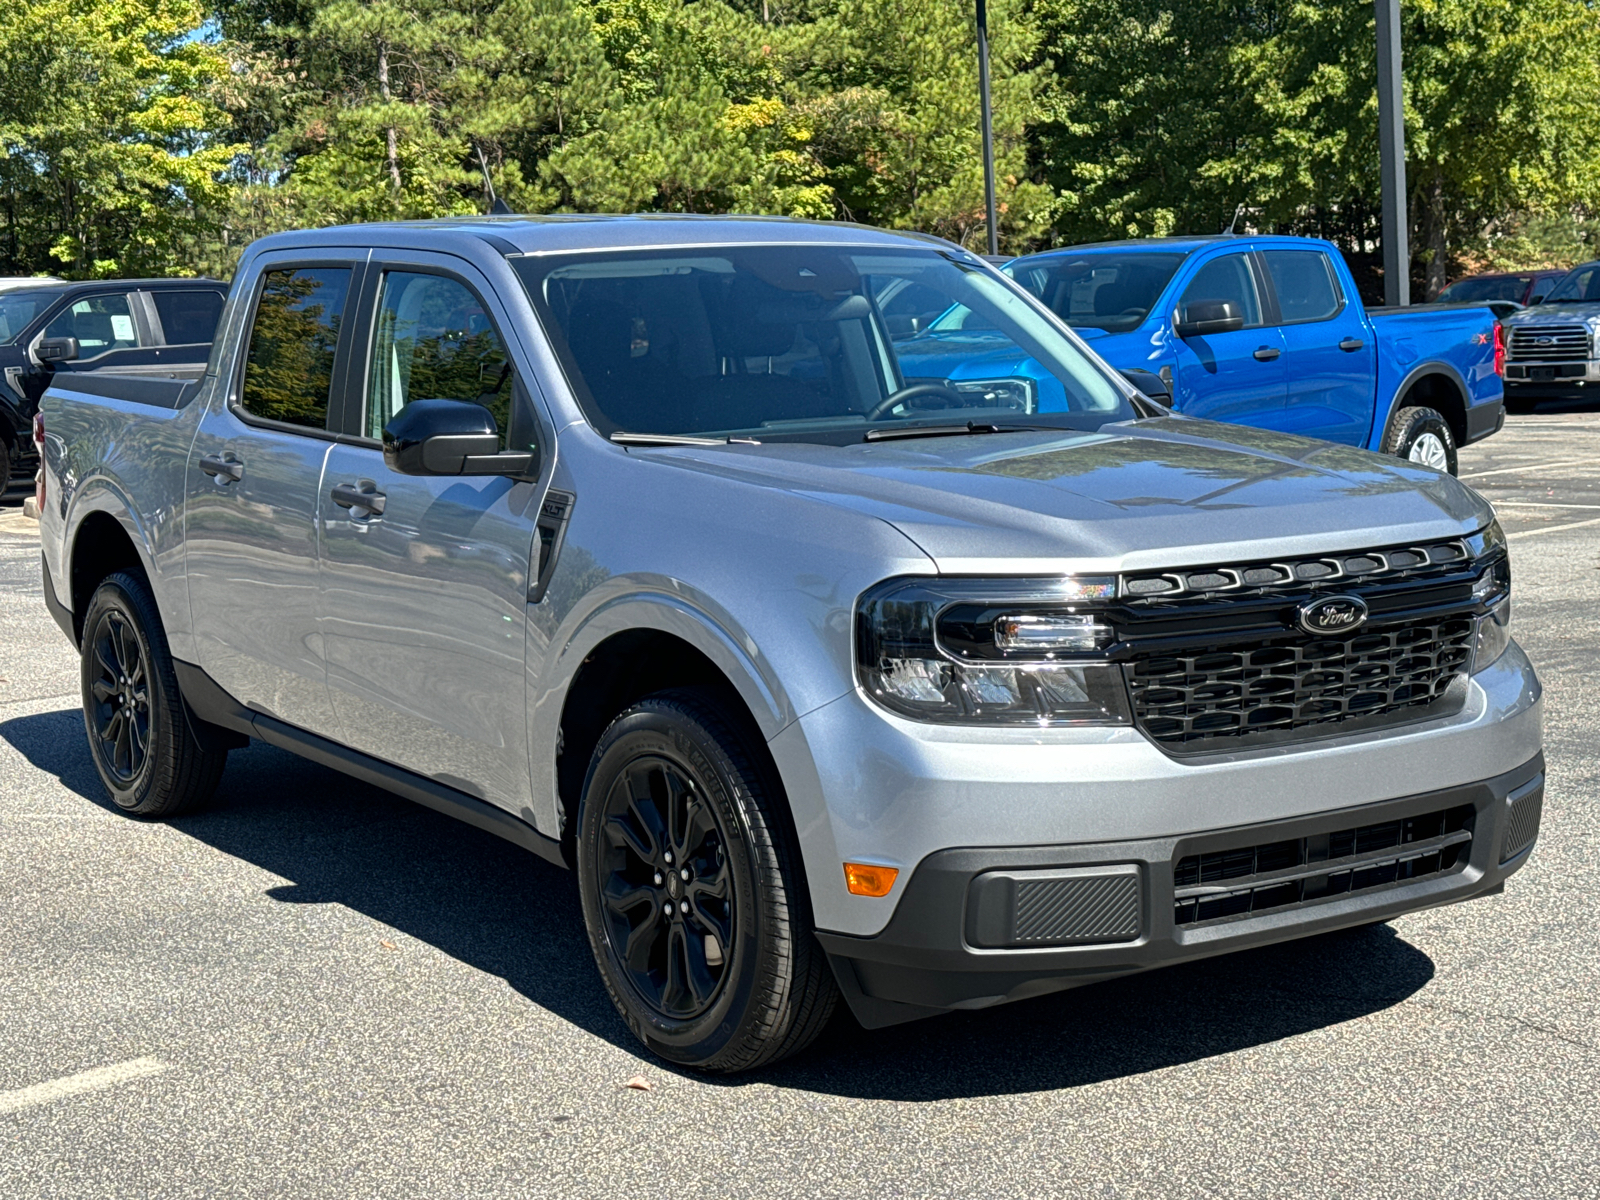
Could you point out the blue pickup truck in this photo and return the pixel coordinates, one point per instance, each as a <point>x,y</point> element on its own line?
<point>1264,331</point>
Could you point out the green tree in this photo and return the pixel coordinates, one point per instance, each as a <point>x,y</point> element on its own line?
<point>112,150</point>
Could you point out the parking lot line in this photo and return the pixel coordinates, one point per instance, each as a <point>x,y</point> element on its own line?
<point>1522,533</point>
<point>1540,504</point>
<point>1549,466</point>
<point>83,1081</point>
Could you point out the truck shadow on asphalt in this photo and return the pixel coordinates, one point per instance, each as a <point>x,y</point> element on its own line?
<point>500,910</point>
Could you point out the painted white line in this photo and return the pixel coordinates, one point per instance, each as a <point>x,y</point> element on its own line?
<point>1522,533</point>
<point>1542,504</point>
<point>1549,466</point>
<point>83,1081</point>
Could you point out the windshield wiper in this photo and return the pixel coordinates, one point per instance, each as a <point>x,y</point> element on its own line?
<point>922,431</point>
<point>678,439</point>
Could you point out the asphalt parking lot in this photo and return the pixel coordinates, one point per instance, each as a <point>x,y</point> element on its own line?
<point>314,989</point>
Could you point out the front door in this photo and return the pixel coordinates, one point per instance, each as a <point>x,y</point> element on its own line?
<point>425,579</point>
<point>1237,376</point>
<point>254,476</point>
<point>1332,363</point>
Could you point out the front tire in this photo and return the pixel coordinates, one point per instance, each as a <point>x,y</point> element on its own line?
<point>692,889</point>
<point>1422,435</point>
<point>147,748</point>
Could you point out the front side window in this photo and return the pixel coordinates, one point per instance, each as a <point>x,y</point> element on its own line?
<point>1496,287</point>
<point>434,341</point>
<point>1229,279</point>
<point>100,323</point>
<point>808,343</point>
<point>1110,291</point>
<point>1303,280</point>
<point>188,317</point>
<point>18,310</point>
<point>1583,283</point>
<point>288,371</point>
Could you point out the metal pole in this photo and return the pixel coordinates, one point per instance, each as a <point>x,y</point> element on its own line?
<point>988,126</point>
<point>1392,151</point>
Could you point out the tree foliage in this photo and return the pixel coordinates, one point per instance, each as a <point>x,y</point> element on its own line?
<point>159,135</point>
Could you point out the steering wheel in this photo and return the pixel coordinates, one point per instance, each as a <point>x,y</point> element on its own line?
<point>915,390</point>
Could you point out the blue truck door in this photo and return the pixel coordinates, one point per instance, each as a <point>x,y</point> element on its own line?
<point>1236,376</point>
<point>1332,362</point>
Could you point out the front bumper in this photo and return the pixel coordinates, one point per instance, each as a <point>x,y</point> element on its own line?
<point>953,941</point>
<point>1552,381</point>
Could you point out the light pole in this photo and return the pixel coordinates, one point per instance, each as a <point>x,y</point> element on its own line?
<point>1392,153</point>
<point>988,125</point>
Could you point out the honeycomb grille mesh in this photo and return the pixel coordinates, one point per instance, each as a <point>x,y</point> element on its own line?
<point>1196,698</point>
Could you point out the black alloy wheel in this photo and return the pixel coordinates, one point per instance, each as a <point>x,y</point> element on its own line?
<point>666,886</point>
<point>693,893</point>
<point>154,756</point>
<point>119,717</point>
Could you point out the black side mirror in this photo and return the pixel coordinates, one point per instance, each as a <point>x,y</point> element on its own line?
<point>57,349</point>
<point>1536,298</point>
<point>449,437</point>
<point>1152,385</point>
<point>1208,316</point>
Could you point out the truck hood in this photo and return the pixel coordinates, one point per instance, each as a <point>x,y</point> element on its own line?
<point>1585,311</point>
<point>1150,494</point>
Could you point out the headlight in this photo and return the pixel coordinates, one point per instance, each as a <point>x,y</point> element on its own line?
<point>1492,590</point>
<point>1016,395</point>
<point>991,652</point>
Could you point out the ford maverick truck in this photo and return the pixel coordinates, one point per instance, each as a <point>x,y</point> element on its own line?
<point>635,541</point>
<point>1263,331</point>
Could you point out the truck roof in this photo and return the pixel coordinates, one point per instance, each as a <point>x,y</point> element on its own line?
<point>575,231</point>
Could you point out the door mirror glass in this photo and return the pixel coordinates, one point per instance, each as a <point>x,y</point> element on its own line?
<point>1207,317</point>
<point>57,349</point>
<point>449,437</point>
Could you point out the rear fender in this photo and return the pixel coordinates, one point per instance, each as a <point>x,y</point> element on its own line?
<point>1398,398</point>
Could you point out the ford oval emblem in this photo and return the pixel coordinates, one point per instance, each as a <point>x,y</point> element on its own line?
<point>1547,341</point>
<point>1332,614</point>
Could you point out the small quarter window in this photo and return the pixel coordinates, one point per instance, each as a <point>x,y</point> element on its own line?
<point>433,341</point>
<point>289,371</point>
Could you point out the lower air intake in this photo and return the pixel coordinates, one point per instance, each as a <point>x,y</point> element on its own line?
<point>1241,882</point>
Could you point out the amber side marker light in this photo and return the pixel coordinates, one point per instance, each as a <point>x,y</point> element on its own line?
<point>866,879</point>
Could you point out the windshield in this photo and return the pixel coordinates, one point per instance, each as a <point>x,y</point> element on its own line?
<point>17,311</point>
<point>1503,287</point>
<point>1113,292</point>
<point>1581,283</point>
<point>807,343</point>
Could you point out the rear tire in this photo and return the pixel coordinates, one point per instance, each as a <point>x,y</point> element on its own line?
<point>719,971</point>
<point>5,467</point>
<point>155,758</point>
<point>1422,436</point>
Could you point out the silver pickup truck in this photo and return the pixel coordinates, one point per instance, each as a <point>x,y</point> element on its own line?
<point>630,540</point>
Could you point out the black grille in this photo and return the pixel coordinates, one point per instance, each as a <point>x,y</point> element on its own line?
<point>1549,343</point>
<point>1265,578</point>
<point>1275,875</point>
<point>1275,687</point>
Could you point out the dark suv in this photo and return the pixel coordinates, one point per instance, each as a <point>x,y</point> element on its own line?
<point>154,327</point>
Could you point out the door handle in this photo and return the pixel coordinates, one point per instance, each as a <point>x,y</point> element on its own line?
<point>1351,345</point>
<point>349,495</point>
<point>224,468</point>
<point>1267,353</point>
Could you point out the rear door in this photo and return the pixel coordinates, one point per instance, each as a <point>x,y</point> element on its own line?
<point>1331,359</point>
<point>1237,376</point>
<point>255,472</point>
<point>425,583</point>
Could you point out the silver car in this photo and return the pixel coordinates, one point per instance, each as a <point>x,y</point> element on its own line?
<point>839,656</point>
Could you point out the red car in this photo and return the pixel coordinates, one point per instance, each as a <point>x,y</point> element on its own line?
<point>1525,287</point>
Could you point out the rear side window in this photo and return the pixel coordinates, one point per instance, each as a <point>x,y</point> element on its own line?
<point>100,323</point>
<point>434,341</point>
<point>188,317</point>
<point>1228,278</point>
<point>1304,282</point>
<point>288,372</point>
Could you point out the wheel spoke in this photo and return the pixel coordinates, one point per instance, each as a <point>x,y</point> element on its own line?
<point>697,974</point>
<point>102,646</point>
<point>622,899</point>
<point>674,994</point>
<point>102,690</point>
<point>136,672</point>
<point>119,647</point>
<point>136,743</point>
<point>621,831</point>
<point>123,755</point>
<point>709,918</point>
<point>641,940</point>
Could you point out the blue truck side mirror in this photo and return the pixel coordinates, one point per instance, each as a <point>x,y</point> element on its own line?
<point>1208,316</point>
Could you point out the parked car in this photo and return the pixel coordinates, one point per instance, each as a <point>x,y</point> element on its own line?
<point>1553,351</point>
<point>1264,331</point>
<point>159,328</point>
<point>635,542</point>
<point>1526,288</point>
